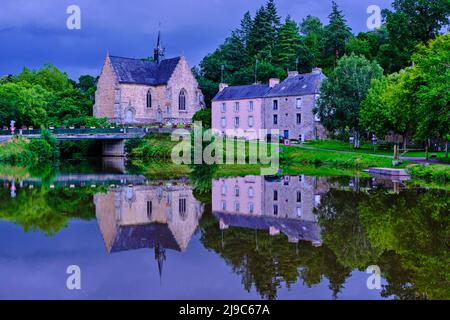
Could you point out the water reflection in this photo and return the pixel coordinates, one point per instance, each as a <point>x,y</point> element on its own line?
<point>277,234</point>
<point>275,204</point>
<point>151,216</point>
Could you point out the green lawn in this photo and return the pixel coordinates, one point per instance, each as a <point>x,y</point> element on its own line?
<point>365,148</point>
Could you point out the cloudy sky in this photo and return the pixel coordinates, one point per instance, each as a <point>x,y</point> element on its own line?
<point>33,33</point>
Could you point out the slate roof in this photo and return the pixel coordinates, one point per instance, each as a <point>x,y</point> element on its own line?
<point>242,92</point>
<point>138,71</point>
<point>292,228</point>
<point>299,85</point>
<point>144,236</point>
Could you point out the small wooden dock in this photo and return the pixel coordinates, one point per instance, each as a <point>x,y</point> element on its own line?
<point>389,173</point>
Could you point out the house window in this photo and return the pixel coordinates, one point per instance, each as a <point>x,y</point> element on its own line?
<point>275,119</point>
<point>251,192</point>
<point>251,207</point>
<point>236,192</point>
<point>299,103</point>
<point>275,195</point>
<point>250,106</point>
<point>224,190</point>
<point>149,209</point>
<point>299,196</point>
<point>223,107</point>
<point>236,106</point>
<point>275,209</point>
<point>250,121</point>
<point>237,207</point>
<point>224,122</point>
<point>299,212</point>
<point>236,122</point>
<point>182,100</point>
<point>149,99</point>
<point>182,207</point>
<point>224,205</point>
<point>275,104</point>
<point>299,118</point>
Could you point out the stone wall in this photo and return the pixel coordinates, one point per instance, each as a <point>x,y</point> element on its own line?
<point>183,79</point>
<point>308,129</point>
<point>105,94</point>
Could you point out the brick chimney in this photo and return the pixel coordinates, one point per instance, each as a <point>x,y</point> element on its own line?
<point>222,86</point>
<point>292,73</point>
<point>273,82</point>
<point>316,70</point>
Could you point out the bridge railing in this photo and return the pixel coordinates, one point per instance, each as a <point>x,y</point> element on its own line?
<point>76,131</point>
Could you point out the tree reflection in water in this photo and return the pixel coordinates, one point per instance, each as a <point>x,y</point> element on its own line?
<point>405,231</point>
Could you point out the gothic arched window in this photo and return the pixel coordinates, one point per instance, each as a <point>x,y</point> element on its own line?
<point>182,100</point>
<point>149,99</point>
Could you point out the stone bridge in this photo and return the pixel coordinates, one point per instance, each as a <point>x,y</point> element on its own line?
<point>113,139</point>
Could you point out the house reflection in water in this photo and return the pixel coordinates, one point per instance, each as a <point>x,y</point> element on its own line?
<point>277,204</point>
<point>149,216</point>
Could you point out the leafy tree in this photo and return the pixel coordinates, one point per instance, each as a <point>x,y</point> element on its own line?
<point>389,107</point>
<point>337,34</point>
<point>416,101</point>
<point>343,92</point>
<point>431,81</point>
<point>204,116</point>
<point>368,44</point>
<point>412,22</point>
<point>49,77</point>
<point>88,85</point>
<point>25,103</point>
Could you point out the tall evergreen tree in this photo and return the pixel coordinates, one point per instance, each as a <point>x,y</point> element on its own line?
<point>337,33</point>
<point>288,45</point>
<point>246,28</point>
<point>272,13</point>
<point>313,31</point>
<point>263,34</point>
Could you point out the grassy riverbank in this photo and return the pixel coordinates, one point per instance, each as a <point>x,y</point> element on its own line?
<point>431,173</point>
<point>159,146</point>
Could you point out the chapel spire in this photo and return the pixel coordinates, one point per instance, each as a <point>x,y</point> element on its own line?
<point>159,51</point>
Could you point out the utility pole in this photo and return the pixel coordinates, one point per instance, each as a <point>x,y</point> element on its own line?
<point>256,71</point>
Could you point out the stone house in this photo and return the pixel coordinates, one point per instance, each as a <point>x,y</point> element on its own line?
<point>138,91</point>
<point>276,204</point>
<point>286,107</point>
<point>239,107</point>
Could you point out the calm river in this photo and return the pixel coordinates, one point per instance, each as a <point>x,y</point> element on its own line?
<point>253,237</point>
